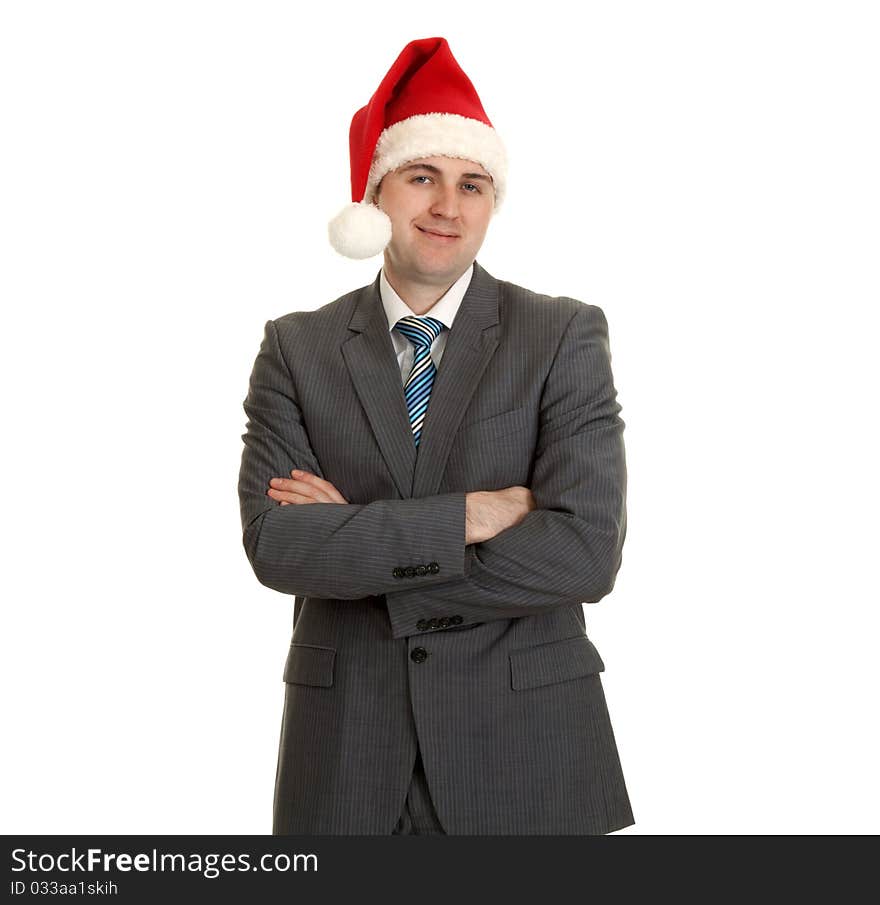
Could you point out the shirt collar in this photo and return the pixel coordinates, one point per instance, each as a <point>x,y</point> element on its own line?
<point>444,309</point>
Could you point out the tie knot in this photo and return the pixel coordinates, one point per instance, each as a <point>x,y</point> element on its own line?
<point>420,331</point>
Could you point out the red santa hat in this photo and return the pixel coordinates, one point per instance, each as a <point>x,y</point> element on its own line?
<point>425,107</point>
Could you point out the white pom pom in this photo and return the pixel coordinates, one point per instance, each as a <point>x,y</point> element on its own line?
<point>360,230</point>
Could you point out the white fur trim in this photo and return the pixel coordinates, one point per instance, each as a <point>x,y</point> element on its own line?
<point>360,230</point>
<point>439,135</point>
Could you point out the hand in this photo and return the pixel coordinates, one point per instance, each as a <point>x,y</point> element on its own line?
<point>303,488</point>
<point>488,512</point>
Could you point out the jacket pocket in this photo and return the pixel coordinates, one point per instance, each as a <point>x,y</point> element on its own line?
<point>502,424</point>
<point>308,664</point>
<point>557,661</point>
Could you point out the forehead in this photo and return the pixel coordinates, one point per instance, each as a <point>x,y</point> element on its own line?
<point>450,165</point>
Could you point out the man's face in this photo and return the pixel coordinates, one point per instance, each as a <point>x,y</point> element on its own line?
<point>440,209</point>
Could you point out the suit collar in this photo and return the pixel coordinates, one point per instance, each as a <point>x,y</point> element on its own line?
<point>443,310</point>
<point>481,299</point>
<point>371,360</point>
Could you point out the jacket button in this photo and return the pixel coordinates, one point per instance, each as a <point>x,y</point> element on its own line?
<point>422,624</point>
<point>419,654</point>
<point>456,620</point>
<point>433,567</point>
<point>421,570</point>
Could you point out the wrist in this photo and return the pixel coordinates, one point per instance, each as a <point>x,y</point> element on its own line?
<point>474,518</point>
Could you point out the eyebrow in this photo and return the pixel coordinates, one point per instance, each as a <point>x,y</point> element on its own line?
<point>432,169</point>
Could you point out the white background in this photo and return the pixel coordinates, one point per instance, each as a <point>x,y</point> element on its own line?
<point>705,172</point>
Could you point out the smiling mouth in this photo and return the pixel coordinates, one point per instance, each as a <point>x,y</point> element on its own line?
<point>428,232</point>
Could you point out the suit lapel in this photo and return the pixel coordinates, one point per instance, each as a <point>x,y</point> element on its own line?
<point>370,358</point>
<point>372,363</point>
<point>469,347</point>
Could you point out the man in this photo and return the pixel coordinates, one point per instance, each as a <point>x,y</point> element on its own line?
<point>434,467</point>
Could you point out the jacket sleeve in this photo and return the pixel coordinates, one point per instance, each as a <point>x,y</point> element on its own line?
<point>346,551</point>
<point>569,549</point>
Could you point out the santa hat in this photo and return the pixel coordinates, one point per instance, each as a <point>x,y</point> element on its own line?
<point>425,107</point>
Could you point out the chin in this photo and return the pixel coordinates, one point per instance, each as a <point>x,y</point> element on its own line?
<point>443,264</point>
<point>443,269</point>
<point>444,258</point>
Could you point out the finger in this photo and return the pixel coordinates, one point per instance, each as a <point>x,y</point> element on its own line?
<point>301,487</point>
<point>329,493</point>
<point>305,488</point>
<point>287,496</point>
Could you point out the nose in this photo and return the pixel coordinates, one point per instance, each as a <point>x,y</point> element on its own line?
<point>445,202</point>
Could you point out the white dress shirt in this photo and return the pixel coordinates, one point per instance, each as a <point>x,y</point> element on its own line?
<point>444,310</point>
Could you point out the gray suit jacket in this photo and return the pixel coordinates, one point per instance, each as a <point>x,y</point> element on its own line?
<point>401,632</point>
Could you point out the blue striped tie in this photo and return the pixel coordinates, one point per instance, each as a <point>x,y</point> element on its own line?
<point>421,332</point>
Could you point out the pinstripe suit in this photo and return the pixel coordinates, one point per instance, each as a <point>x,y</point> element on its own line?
<point>402,634</point>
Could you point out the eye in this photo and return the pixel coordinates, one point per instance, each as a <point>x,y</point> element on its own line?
<point>475,187</point>
<point>419,177</point>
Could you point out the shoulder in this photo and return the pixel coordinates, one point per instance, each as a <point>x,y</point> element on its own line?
<point>322,322</point>
<point>538,309</point>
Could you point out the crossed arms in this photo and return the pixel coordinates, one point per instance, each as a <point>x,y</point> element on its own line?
<point>563,545</point>
<point>486,511</point>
